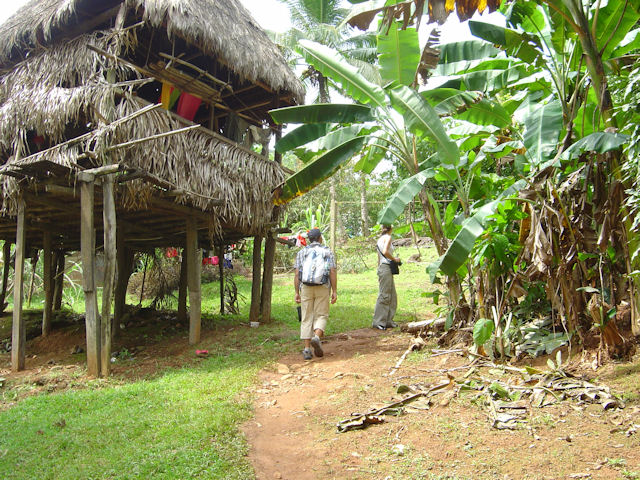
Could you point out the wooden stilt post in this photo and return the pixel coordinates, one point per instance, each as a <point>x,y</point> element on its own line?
<point>6,259</point>
<point>109,222</point>
<point>48,284</point>
<point>59,280</point>
<point>18,333</point>
<point>254,312</point>
<point>267,277</point>
<point>221,275</point>
<point>193,277</point>
<point>182,288</point>
<point>87,247</point>
<point>124,260</point>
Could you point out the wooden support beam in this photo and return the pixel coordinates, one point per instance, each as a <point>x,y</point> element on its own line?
<point>109,222</point>
<point>182,288</point>
<point>47,274</point>
<point>18,331</point>
<point>88,241</point>
<point>267,278</point>
<point>254,312</point>
<point>193,276</point>
<point>124,259</point>
<point>221,275</point>
<point>59,280</point>
<point>6,260</point>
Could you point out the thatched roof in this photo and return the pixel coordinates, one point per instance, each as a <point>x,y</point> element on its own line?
<point>220,28</point>
<point>68,89</point>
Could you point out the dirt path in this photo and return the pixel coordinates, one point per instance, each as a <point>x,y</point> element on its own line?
<point>293,435</point>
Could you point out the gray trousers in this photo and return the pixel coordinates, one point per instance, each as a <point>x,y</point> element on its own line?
<point>387,302</point>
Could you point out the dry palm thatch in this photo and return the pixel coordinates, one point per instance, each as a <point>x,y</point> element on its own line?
<point>222,29</point>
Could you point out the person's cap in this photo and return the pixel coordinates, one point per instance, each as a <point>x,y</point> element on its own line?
<point>314,234</point>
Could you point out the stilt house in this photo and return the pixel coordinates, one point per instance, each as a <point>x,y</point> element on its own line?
<point>127,125</point>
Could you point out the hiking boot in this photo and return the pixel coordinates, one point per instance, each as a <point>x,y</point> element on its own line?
<point>379,327</point>
<point>317,346</point>
<point>306,354</point>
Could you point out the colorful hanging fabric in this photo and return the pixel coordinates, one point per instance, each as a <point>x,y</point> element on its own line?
<point>188,106</point>
<point>169,96</point>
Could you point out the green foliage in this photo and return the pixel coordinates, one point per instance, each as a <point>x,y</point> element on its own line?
<point>482,330</point>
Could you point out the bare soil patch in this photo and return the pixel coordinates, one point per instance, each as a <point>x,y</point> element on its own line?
<point>298,404</point>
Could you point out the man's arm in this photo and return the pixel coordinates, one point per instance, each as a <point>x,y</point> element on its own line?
<point>296,285</point>
<point>333,275</point>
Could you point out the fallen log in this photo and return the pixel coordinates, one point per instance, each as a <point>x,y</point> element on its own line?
<point>435,324</point>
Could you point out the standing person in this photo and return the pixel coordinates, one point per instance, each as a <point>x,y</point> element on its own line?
<point>316,283</point>
<point>387,301</point>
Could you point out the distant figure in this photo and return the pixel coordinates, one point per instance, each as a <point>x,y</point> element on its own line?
<point>316,281</point>
<point>387,302</point>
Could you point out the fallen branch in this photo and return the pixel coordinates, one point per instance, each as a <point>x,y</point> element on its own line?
<point>416,344</point>
<point>361,420</point>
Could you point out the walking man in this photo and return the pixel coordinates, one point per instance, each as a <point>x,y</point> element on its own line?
<point>316,283</point>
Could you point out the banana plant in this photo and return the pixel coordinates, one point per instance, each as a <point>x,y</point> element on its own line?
<point>393,120</point>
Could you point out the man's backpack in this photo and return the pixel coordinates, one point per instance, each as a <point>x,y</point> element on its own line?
<point>315,267</point>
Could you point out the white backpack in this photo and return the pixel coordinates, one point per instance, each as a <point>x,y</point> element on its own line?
<point>315,267</point>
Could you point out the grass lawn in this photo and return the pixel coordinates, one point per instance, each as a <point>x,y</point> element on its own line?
<point>181,423</point>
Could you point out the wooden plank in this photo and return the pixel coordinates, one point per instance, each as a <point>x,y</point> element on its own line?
<point>6,260</point>
<point>109,222</point>
<point>182,288</point>
<point>193,280</point>
<point>18,331</point>
<point>59,280</point>
<point>47,274</point>
<point>124,259</point>
<point>267,278</point>
<point>221,275</point>
<point>87,248</point>
<point>254,312</point>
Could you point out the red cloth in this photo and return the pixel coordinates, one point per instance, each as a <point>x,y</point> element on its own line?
<point>188,106</point>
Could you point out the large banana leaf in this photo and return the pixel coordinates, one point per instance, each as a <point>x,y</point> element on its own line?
<point>516,44</point>
<point>399,55</point>
<point>630,42</point>
<point>614,22</point>
<point>466,51</point>
<point>323,113</point>
<point>331,64</point>
<point>301,136</point>
<point>407,190</point>
<point>461,246</point>
<point>542,129</point>
<point>487,80</point>
<point>372,157</point>
<point>341,135</point>
<point>317,171</point>
<point>421,119</point>
<point>447,101</point>
<point>486,112</point>
<point>600,142</point>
